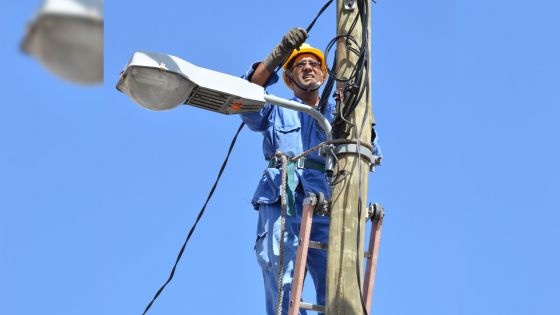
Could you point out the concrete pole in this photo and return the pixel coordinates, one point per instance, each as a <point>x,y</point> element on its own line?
<point>345,252</point>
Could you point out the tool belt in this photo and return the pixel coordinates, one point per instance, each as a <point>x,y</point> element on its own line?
<point>301,163</point>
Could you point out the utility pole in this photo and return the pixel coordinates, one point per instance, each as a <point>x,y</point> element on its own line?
<point>346,253</point>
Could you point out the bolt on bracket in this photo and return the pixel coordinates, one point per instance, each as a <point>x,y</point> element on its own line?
<point>349,5</point>
<point>375,212</point>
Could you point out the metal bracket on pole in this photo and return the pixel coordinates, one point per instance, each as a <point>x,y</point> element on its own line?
<point>352,148</point>
<point>349,5</point>
<point>327,150</point>
<point>375,212</point>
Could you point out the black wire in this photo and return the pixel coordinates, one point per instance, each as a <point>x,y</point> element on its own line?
<point>362,63</point>
<point>363,56</point>
<point>332,75</point>
<point>365,90</point>
<point>308,29</point>
<point>356,72</point>
<point>197,220</point>
<point>318,15</point>
<point>351,101</point>
<point>355,78</point>
<point>354,87</point>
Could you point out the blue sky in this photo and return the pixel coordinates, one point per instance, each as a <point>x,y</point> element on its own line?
<point>97,194</point>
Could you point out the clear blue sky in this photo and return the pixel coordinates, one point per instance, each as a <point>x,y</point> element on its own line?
<point>97,194</point>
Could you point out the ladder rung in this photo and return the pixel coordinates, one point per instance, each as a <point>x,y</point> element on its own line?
<point>312,307</point>
<point>318,245</point>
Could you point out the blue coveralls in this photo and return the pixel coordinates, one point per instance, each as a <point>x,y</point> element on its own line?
<point>291,133</point>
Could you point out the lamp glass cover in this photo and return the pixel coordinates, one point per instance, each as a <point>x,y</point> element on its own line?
<point>69,46</point>
<point>156,89</point>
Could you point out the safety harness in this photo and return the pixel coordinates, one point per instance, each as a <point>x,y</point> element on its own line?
<point>292,166</point>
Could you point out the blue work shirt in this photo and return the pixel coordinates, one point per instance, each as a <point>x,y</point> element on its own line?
<point>291,133</point>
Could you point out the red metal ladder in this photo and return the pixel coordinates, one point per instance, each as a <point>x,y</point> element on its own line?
<point>375,214</point>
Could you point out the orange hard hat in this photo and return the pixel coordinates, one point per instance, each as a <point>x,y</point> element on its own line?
<point>305,48</point>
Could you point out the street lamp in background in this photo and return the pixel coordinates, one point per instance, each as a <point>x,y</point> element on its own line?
<point>161,82</point>
<point>66,36</point>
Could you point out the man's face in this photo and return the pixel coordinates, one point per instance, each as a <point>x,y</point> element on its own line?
<point>306,72</point>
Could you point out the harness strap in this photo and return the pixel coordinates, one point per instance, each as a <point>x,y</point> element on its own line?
<point>291,189</point>
<point>301,163</point>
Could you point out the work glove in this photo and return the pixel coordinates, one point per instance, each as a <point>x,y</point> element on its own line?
<point>292,40</point>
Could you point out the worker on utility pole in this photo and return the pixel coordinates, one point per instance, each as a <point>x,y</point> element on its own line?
<point>290,133</point>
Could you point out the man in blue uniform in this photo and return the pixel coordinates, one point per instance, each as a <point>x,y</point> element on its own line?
<point>291,133</point>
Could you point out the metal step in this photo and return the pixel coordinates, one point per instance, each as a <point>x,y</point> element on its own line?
<point>318,245</point>
<point>312,307</point>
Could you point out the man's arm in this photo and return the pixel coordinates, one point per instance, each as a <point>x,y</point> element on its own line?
<point>261,75</point>
<point>292,40</point>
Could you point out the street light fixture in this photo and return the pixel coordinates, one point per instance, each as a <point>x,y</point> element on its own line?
<point>160,82</point>
<point>66,36</point>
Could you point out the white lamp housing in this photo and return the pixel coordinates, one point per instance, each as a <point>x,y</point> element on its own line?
<point>160,82</point>
<point>66,36</point>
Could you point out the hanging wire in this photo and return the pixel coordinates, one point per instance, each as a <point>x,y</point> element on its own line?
<point>308,29</point>
<point>352,95</point>
<point>191,231</point>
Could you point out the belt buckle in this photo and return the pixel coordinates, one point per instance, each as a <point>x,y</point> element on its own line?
<point>300,163</point>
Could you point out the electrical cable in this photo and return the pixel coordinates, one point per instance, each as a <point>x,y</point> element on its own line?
<point>363,8</point>
<point>358,278</point>
<point>355,76</point>
<point>197,220</point>
<point>351,97</point>
<point>318,15</point>
<point>363,63</point>
<point>308,29</point>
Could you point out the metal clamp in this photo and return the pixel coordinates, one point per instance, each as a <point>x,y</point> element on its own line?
<point>376,212</point>
<point>310,199</point>
<point>322,208</point>
<point>327,151</point>
<point>352,148</point>
<point>320,205</point>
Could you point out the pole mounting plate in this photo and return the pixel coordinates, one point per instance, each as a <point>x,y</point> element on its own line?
<point>353,148</point>
<point>349,5</point>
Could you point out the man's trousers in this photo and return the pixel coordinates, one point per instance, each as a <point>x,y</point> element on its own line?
<point>267,248</point>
